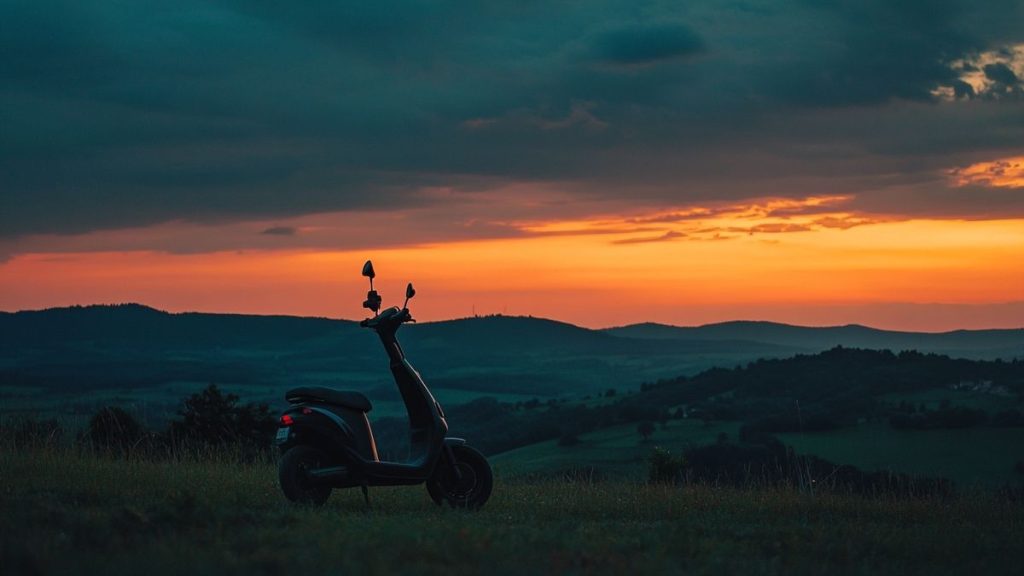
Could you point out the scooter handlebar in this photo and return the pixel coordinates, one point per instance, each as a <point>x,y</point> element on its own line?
<point>390,316</point>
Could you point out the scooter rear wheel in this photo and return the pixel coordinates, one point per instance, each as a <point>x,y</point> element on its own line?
<point>296,486</point>
<point>470,488</point>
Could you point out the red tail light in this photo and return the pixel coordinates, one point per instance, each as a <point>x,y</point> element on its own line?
<point>287,420</point>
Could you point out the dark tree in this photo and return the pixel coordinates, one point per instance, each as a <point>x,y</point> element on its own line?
<point>213,418</point>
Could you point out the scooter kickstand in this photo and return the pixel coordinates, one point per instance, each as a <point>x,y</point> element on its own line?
<point>366,495</point>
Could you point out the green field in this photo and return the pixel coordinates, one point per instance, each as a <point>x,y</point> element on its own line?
<point>935,398</point>
<point>619,450</point>
<point>976,456</point>
<point>68,513</point>
<point>984,456</point>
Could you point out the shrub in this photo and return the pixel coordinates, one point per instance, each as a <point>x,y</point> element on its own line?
<point>773,464</point>
<point>112,428</point>
<point>29,432</point>
<point>736,464</point>
<point>664,468</point>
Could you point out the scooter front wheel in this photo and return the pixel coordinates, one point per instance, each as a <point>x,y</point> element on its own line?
<point>470,487</point>
<point>295,483</point>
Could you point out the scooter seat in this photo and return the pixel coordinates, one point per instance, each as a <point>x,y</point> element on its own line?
<point>346,398</point>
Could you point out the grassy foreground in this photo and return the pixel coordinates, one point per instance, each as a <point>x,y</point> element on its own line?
<point>68,513</point>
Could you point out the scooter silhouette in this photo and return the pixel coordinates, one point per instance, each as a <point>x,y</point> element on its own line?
<point>327,442</point>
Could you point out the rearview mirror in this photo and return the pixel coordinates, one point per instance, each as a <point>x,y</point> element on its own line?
<point>409,293</point>
<point>368,270</point>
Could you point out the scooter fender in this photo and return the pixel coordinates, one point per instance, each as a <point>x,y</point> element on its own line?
<point>317,426</point>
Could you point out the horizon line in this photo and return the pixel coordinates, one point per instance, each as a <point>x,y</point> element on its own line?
<point>531,316</point>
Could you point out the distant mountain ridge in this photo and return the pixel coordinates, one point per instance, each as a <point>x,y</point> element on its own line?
<point>139,322</point>
<point>988,342</point>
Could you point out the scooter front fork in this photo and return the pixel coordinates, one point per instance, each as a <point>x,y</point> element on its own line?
<point>450,456</point>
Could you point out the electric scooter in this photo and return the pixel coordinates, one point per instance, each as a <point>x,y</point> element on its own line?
<point>327,441</point>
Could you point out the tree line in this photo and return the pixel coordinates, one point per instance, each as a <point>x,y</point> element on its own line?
<point>208,419</point>
<point>805,393</point>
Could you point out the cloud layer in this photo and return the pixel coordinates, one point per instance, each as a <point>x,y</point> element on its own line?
<point>126,115</point>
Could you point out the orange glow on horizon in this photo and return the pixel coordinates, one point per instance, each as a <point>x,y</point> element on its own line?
<point>681,268</point>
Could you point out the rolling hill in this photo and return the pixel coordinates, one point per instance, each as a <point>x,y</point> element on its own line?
<point>987,344</point>
<point>74,359</point>
<point>542,374</point>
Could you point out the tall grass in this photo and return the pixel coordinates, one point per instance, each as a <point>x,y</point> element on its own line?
<point>67,510</point>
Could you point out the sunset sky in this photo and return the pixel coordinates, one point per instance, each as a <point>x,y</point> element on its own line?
<point>601,162</point>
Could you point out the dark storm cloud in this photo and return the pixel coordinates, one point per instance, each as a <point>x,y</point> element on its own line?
<point>962,89</point>
<point>1000,73</point>
<point>639,45</point>
<point>879,50</point>
<point>130,114</point>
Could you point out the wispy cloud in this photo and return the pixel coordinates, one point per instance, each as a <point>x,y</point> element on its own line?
<point>844,222</point>
<point>675,216</point>
<point>1002,173</point>
<point>717,222</point>
<point>773,228</point>
<point>799,207</point>
<point>666,237</point>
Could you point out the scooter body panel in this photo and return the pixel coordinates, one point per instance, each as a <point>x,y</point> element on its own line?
<point>337,430</point>
<point>427,428</point>
<point>427,425</point>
